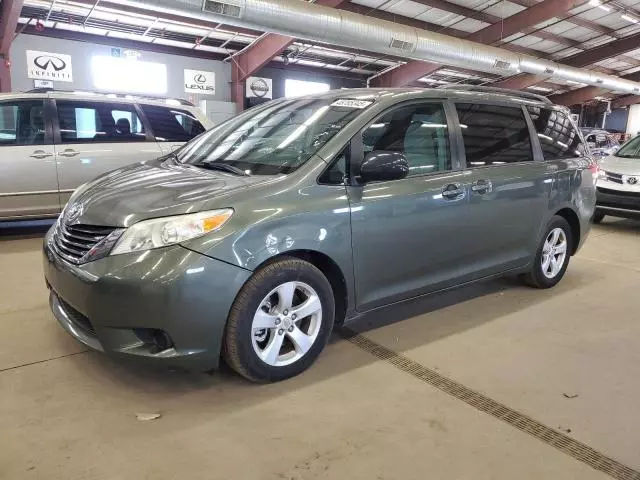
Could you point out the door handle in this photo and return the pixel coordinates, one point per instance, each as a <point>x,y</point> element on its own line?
<point>69,152</point>
<point>453,191</point>
<point>482,186</point>
<point>41,154</point>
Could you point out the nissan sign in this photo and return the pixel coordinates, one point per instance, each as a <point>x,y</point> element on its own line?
<point>258,87</point>
<point>49,66</point>
<point>196,81</point>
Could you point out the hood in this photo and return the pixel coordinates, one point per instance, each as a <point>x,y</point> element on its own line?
<point>624,166</point>
<point>157,189</point>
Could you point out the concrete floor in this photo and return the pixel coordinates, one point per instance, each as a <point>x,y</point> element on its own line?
<point>70,414</point>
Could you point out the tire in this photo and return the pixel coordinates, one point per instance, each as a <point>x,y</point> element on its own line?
<point>536,277</point>
<point>254,352</point>
<point>598,216</point>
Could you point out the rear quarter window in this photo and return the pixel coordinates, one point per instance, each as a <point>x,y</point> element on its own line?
<point>558,136</point>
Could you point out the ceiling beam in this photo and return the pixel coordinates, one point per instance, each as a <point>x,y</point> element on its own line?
<point>582,59</point>
<point>582,95</point>
<point>412,71</point>
<point>257,55</point>
<point>625,101</point>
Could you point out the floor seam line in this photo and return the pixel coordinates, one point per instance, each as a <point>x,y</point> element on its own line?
<point>564,443</point>
<point>41,361</point>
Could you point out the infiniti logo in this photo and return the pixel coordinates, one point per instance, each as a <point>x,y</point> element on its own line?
<point>199,78</point>
<point>46,61</point>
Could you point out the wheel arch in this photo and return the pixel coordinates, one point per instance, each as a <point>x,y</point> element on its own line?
<point>574,222</point>
<point>329,268</point>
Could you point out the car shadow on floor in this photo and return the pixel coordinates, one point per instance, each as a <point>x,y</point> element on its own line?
<point>24,229</point>
<point>411,324</point>
<point>618,225</point>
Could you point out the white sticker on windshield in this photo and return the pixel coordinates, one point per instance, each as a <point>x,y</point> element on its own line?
<point>351,103</point>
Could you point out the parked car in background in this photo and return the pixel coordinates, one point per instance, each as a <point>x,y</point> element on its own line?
<point>51,142</point>
<point>601,142</point>
<point>619,183</point>
<point>255,238</point>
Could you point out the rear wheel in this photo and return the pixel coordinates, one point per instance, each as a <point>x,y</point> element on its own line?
<point>280,321</point>
<point>598,216</point>
<point>552,258</point>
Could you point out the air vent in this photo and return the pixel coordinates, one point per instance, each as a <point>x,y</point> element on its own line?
<point>549,71</point>
<point>401,45</point>
<point>501,64</point>
<point>222,8</point>
<point>599,80</point>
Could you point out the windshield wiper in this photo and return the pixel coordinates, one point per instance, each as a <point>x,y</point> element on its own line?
<point>225,167</point>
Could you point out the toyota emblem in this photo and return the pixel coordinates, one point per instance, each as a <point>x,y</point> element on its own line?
<point>45,61</point>
<point>199,78</point>
<point>632,180</point>
<point>74,212</point>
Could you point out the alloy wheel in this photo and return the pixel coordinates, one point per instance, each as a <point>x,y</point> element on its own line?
<point>554,253</point>
<point>286,324</point>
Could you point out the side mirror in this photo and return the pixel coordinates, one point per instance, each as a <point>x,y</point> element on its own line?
<point>383,165</point>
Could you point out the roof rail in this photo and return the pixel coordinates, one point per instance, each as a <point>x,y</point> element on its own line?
<point>504,91</point>
<point>181,101</point>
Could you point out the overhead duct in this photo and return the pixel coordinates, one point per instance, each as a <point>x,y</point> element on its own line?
<point>312,22</point>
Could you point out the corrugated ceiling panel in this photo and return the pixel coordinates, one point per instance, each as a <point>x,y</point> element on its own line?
<point>370,3</point>
<point>580,34</point>
<point>628,30</point>
<point>511,38</point>
<point>435,15</point>
<point>567,52</point>
<point>560,27</point>
<point>527,41</point>
<point>548,46</point>
<point>407,8</point>
<point>634,54</point>
<point>594,42</point>
<point>612,20</point>
<point>504,9</point>
<point>592,14</point>
<point>546,23</point>
<point>475,4</point>
<point>470,25</point>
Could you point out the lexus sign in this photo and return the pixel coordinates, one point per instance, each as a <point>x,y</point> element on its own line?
<point>196,81</point>
<point>49,66</point>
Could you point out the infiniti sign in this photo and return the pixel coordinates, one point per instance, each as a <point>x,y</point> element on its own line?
<point>49,66</point>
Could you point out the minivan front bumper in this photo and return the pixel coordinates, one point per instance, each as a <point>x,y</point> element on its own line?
<point>620,203</point>
<point>168,305</point>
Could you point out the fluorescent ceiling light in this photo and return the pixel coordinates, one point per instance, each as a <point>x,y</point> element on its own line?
<point>629,18</point>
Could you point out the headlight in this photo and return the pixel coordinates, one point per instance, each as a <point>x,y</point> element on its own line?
<point>160,232</point>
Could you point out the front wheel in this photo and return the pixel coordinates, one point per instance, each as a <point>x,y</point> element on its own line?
<point>552,257</point>
<point>280,321</point>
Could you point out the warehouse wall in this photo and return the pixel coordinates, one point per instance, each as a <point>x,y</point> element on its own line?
<point>82,52</point>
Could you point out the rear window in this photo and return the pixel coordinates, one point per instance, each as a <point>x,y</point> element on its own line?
<point>172,125</point>
<point>22,123</point>
<point>558,137</point>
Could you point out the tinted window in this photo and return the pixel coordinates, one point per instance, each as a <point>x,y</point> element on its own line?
<point>86,122</point>
<point>493,134</point>
<point>171,125</point>
<point>558,137</point>
<point>418,131</point>
<point>22,123</point>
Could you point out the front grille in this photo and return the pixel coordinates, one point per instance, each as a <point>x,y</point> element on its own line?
<point>72,242</point>
<point>78,319</point>
<point>620,193</point>
<point>614,177</point>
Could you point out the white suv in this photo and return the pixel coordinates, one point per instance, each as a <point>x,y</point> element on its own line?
<point>51,142</point>
<point>619,183</point>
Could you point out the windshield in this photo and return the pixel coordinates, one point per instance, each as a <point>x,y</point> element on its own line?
<point>631,149</point>
<point>273,139</point>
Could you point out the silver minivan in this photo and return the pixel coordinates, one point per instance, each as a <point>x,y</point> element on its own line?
<point>52,142</point>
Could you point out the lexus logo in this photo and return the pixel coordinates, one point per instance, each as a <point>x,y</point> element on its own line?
<point>199,78</point>
<point>632,180</point>
<point>259,87</point>
<point>46,61</point>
